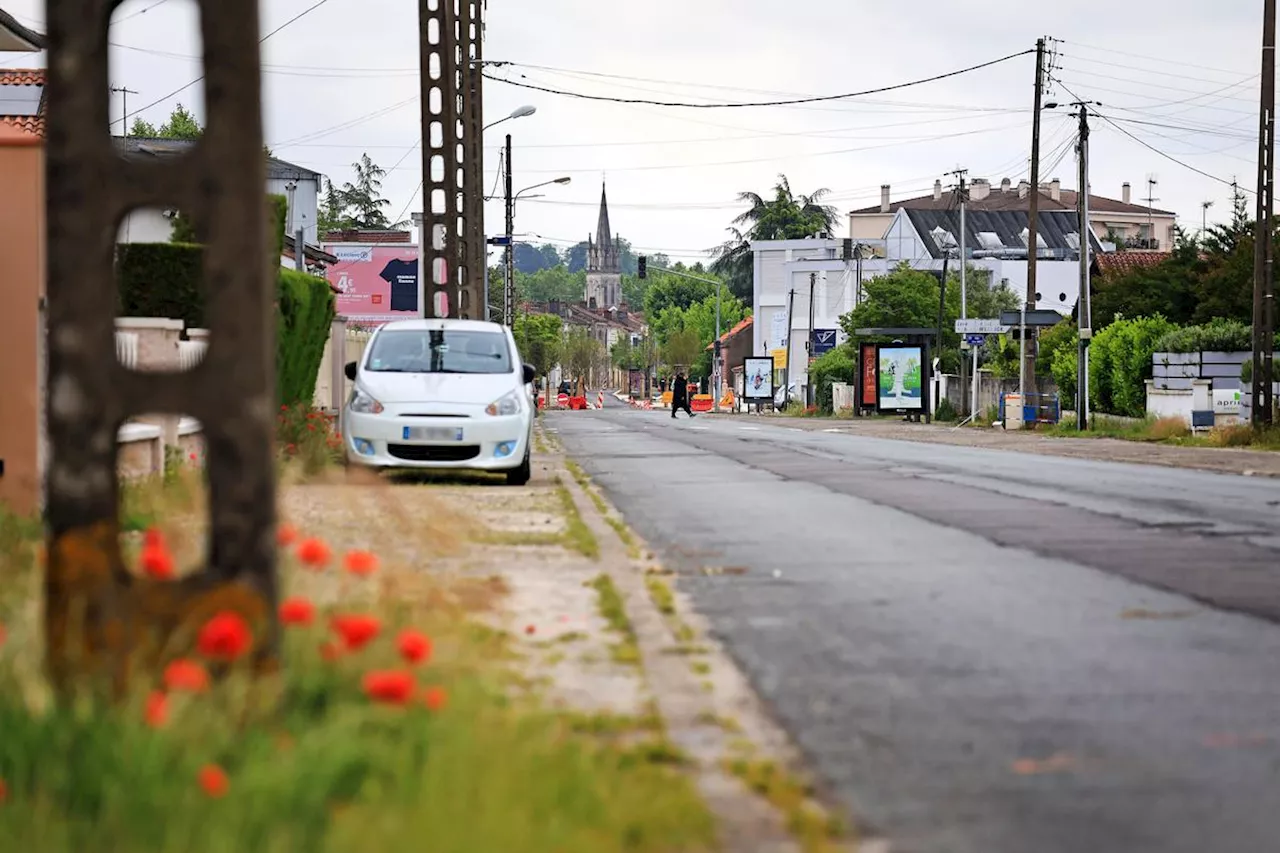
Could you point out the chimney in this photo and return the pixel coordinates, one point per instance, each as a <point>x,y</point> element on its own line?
<point>981,189</point>
<point>884,198</point>
<point>1125,192</point>
<point>937,190</point>
<point>1024,187</point>
<point>1055,189</point>
<point>1004,185</point>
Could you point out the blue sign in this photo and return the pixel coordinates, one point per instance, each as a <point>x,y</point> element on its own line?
<point>975,340</point>
<point>824,341</point>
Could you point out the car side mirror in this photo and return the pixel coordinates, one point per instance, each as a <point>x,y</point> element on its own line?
<point>350,370</point>
<point>529,374</point>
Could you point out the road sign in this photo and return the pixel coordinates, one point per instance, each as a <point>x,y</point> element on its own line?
<point>1033,318</point>
<point>975,340</point>
<point>981,327</point>
<point>499,241</point>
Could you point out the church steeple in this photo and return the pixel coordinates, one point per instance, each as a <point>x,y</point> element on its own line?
<point>604,237</point>
<point>604,261</point>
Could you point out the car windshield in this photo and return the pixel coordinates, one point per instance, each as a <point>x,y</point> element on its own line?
<point>439,351</point>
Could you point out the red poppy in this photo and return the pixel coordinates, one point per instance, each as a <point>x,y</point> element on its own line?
<point>415,647</point>
<point>194,457</point>
<point>286,534</point>
<point>157,562</point>
<point>530,629</point>
<point>361,563</point>
<point>356,631</point>
<point>225,637</point>
<point>314,553</point>
<point>4,791</point>
<point>153,538</point>
<point>157,710</point>
<point>213,779</point>
<point>186,675</point>
<point>393,688</point>
<point>297,611</point>
<point>435,698</point>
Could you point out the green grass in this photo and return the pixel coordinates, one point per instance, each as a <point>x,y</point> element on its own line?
<point>614,611</point>
<point>816,832</point>
<point>1171,431</point>
<point>313,765</point>
<point>577,535</point>
<point>663,598</point>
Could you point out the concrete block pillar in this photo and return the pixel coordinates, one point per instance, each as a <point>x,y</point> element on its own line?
<point>158,340</point>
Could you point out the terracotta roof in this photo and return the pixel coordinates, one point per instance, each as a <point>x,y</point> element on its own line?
<point>1118,263</point>
<point>734,332</point>
<point>1011,200</point>
<point>366,237</point>
<point>23,126</point>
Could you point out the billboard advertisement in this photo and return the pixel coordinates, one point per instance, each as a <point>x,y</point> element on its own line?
<point>869,395</point>
<point>757,383</point>
<point>376,283</point>
<point>900,378</point>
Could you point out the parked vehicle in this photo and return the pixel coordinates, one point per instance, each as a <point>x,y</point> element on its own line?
<point>441,394</point>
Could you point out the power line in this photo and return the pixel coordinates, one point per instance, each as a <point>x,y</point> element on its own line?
<point>182,89</point>
<point>140,12</point>
<point>781,103</point>
<point>1164,60</point>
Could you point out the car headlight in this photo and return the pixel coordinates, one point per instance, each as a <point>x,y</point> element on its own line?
<point>508,405</point>
<point>363,404</point>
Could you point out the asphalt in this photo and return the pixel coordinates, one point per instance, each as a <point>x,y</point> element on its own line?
<point>980,650</point>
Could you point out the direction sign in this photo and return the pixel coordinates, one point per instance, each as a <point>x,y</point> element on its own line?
<point>1033,318</point>
<point>980,327</point>
<point>975,340</point>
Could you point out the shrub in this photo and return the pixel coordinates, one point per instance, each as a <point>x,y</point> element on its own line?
<point>306,311</point>
<point>838,365</point>
<point>1120,364</point>
<point>161,280</point>
<point>1221,335</point>
<point>1164,429</point>
<point>946,412</point>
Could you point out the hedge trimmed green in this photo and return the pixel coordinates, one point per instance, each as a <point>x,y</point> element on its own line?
<point>306,312</point>
<point>834,366</point>
<point>1220,335</point>
<point>161,280</point>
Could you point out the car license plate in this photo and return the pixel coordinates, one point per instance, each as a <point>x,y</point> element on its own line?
<point>432,434</point>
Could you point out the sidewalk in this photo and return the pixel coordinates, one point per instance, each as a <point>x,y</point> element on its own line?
<point>1257,463</point>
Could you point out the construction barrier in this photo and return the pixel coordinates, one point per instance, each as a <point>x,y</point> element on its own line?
<point>562,400</point>
<point>578,403</point>
<point>600,400</point>
<point>701,403</point>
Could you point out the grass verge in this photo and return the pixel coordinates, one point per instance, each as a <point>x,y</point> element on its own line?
<point>1171,431</point>
<point>577,535</point>
<point>816,832</point>
<point>614,611</point>
<point>308,760</point>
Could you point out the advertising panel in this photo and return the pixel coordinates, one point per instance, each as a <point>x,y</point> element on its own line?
<point>824,341</point>
<point>869,396</point>
<point>900,378</point>
<point>758,379</point>
<point>376,283</point>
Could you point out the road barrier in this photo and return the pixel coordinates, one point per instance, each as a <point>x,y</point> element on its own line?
<point>600,400</point>
<point>701,403</point>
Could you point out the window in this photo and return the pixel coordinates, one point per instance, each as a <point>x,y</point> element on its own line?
<point>448,351</point>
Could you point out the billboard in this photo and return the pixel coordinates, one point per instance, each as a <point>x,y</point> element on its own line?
<point>824,341</point>
<point>900,378</point>
<point>869,396</point>
<point>757,382</point>
<point>376,283</point>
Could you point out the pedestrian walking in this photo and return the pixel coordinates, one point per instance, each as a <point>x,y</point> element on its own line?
<point>680,396</point>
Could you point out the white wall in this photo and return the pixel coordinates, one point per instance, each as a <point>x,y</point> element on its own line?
<point>306,204</point>
<point>147,225</point>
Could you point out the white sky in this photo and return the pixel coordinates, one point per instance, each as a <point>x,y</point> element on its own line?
<point>343,80</point>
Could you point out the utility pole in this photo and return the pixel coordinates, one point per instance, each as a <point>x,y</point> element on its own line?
<point>1204,217</point>
<point>964,297</point>
<point>809,395</point>
<point>1084,303</point>
<point>125,92</point>
<point>1264,297</point>
<point>300,249</point>
<point>1151,200</point>
<point>717,368</point>
<point>942,306</point>
<point>786,371</point>
<point>1027,372</point>
<point>509,268</point>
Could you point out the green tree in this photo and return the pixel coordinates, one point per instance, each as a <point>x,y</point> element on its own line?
<point>668,291</point>
<point>581,352</point>
<point>332,215</point>
<point>552,284</point>
<point>786,216</point>
<point>540,338</point>
<point>682,349</point>
<point>362,199</point>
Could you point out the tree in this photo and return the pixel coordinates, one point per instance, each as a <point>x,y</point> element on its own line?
<point>553,284</point>
<point>363,197</point>
<point>682,349</point>
<point>581,352</point>
<point>786,216</point>
<point>667,291</point>
<point>539,338</point>
<point>332,215</point>
<point>529,259</point>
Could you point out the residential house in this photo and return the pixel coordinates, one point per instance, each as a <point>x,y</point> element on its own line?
<point>22,243</point>
<point>301,186</point>
<point>1118,221</point>
<point>606,326</point>
<point>736,346</point>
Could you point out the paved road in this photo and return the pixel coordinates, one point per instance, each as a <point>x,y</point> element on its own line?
<point>982,650</point>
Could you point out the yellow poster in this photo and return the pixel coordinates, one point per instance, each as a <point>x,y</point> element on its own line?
<point>779,358</point>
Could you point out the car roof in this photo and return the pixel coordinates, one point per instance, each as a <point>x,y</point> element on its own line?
<point>444,323</point>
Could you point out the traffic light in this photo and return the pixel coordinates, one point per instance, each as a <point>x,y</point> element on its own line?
<point>644,266</point>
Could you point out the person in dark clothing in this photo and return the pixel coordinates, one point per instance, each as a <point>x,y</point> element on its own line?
<point>680,396</point>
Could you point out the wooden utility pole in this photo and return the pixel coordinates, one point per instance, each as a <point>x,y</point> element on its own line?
<point>1263,281</point>
<point>1083,304</point>
<point>1027,380</point>
<point>125,92</point>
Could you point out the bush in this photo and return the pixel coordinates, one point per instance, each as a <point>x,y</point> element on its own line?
<point>946,412</point>
<point>306,311</point>
<point>1220,335</point>
<point>1120,363</point>
<point>838,365</point>
<point>162,280</point>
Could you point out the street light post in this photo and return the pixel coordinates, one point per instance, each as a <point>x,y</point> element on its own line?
<point>509,300</point>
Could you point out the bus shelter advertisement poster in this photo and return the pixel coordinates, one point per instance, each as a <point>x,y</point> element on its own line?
<point>901,378</point>
<point>375,284</point>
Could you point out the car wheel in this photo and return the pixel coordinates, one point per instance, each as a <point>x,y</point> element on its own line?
<point>520,476</point>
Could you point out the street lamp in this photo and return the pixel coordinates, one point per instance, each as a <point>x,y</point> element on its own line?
<point>509,306</point>
<point>519,112</point>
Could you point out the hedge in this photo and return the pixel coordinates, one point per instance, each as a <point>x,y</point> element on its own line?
<point>835,366</point>
<point>1221,335</point>
<point>162,280</point>
<point>306,312</point>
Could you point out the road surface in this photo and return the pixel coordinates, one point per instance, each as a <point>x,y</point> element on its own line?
<point>981,650</point>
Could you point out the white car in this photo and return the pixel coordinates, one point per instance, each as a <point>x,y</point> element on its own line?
<point>441,394</point>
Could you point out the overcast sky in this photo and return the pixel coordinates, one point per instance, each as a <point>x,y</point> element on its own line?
<point>343,80</point>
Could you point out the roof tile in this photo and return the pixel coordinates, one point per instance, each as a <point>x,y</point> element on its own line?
<point>26,125</point>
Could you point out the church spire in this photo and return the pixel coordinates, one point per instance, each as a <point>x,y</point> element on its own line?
<point>604,236</point>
